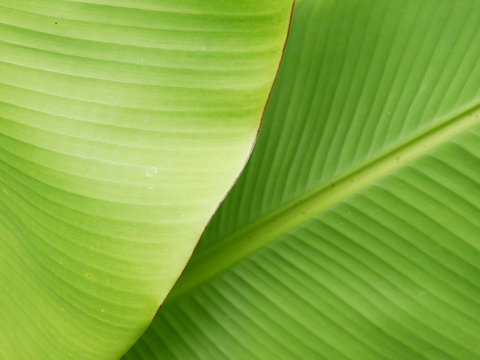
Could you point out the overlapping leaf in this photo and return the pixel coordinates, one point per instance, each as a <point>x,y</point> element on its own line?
<point>354,232</point>
<point>122,126</point>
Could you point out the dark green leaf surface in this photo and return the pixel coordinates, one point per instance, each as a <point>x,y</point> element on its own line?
<point>354,232</point>
<point>123,123</point>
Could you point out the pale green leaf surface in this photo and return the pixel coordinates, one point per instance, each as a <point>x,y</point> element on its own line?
<point>122,126</point>
<point>354,231</point>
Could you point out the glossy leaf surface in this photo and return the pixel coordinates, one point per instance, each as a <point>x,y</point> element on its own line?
<point>354,232</point>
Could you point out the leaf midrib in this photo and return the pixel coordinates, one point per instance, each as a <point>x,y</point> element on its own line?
<point>270,227</point>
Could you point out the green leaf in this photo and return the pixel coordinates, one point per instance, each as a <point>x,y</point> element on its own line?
<point>354,231</point>
<point>122,126</point>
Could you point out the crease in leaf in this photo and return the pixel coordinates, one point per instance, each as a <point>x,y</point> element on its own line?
<point>269,228</point>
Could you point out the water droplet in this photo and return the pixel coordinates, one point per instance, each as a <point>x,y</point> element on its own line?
<point>151,187</point>
<point>103,310</point>
<point>63,309</point>
<point>151,171</point>
<point>60,263</point>
<point>6,192</point>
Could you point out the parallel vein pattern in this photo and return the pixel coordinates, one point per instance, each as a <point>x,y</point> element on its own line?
<point>309,259</point>
<point>122,126</point>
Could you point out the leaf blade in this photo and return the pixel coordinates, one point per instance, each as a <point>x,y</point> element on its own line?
<point>381,272</point>
<point>122,126</point>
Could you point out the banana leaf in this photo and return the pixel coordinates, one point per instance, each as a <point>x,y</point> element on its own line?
<point>354,232</point>
<point>122,126</point>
